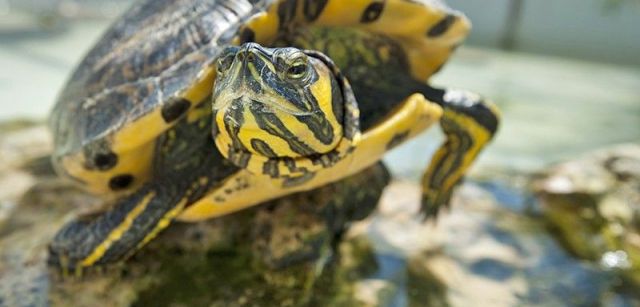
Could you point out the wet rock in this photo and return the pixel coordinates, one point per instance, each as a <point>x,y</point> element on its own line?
<point>20,143</point>
<point>213,263</point>
<point>593,204</point>
<point>223,262</point>
<point>374,292</point>
<point>481,252</point>
<point>454,261</point>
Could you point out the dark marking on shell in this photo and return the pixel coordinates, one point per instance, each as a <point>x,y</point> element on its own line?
<point>98,156</point>
<point>372,12</point>
<point>120,182</point>
<point>442,26</point>
<point>247,35</point>
<point>397,139</point>
<point>173,109</point>
<point>313,9</point>
<point>105,161</point>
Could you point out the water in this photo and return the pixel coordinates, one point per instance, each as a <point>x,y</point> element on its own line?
<point>554,277</point>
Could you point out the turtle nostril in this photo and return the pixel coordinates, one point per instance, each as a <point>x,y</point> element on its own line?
<point>240,56</point>
<point>250,57</point>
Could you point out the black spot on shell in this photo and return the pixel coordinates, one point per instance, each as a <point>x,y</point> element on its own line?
<point>105,161</point>
<point>442,26</point>
<point>313,9</point>
<point>172,110</point>
<point>98,156</point>
<point>247,35</point>
<point>372,12</point>
<point>120,182</point>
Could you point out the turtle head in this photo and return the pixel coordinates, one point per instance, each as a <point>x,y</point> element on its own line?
<point>284,110</point>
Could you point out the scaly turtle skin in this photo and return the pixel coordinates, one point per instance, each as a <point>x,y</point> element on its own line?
<point>135,119</point>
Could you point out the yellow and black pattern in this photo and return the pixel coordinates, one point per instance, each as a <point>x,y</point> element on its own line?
<point>157,63</point>
<point>282,112</point>
<point>378,68</point>
<point>243,189</point>
<point>134,118</point>
<point>428,32</point>
<point>469,123</point>
<point>185,153</point>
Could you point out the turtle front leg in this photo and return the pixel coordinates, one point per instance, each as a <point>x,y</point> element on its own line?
<point>186,165</point>
<point>302,227</point>
<point>116,234</point>
<point>469,123</point>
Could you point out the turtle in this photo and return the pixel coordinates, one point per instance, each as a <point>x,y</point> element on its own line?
<point>187,110</point>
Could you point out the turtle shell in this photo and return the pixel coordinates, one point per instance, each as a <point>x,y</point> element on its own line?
<point>156,63</point>
<point>147,61</point>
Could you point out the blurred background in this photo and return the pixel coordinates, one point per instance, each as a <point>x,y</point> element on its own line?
<point>560,224</point>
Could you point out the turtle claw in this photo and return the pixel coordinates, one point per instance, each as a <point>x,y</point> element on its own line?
<point>433,202</point>
<point>63,251</point>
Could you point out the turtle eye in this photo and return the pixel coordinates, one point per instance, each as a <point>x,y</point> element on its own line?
<point>297,70</point>
<point>292,63</point>
<point>297,65</point>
